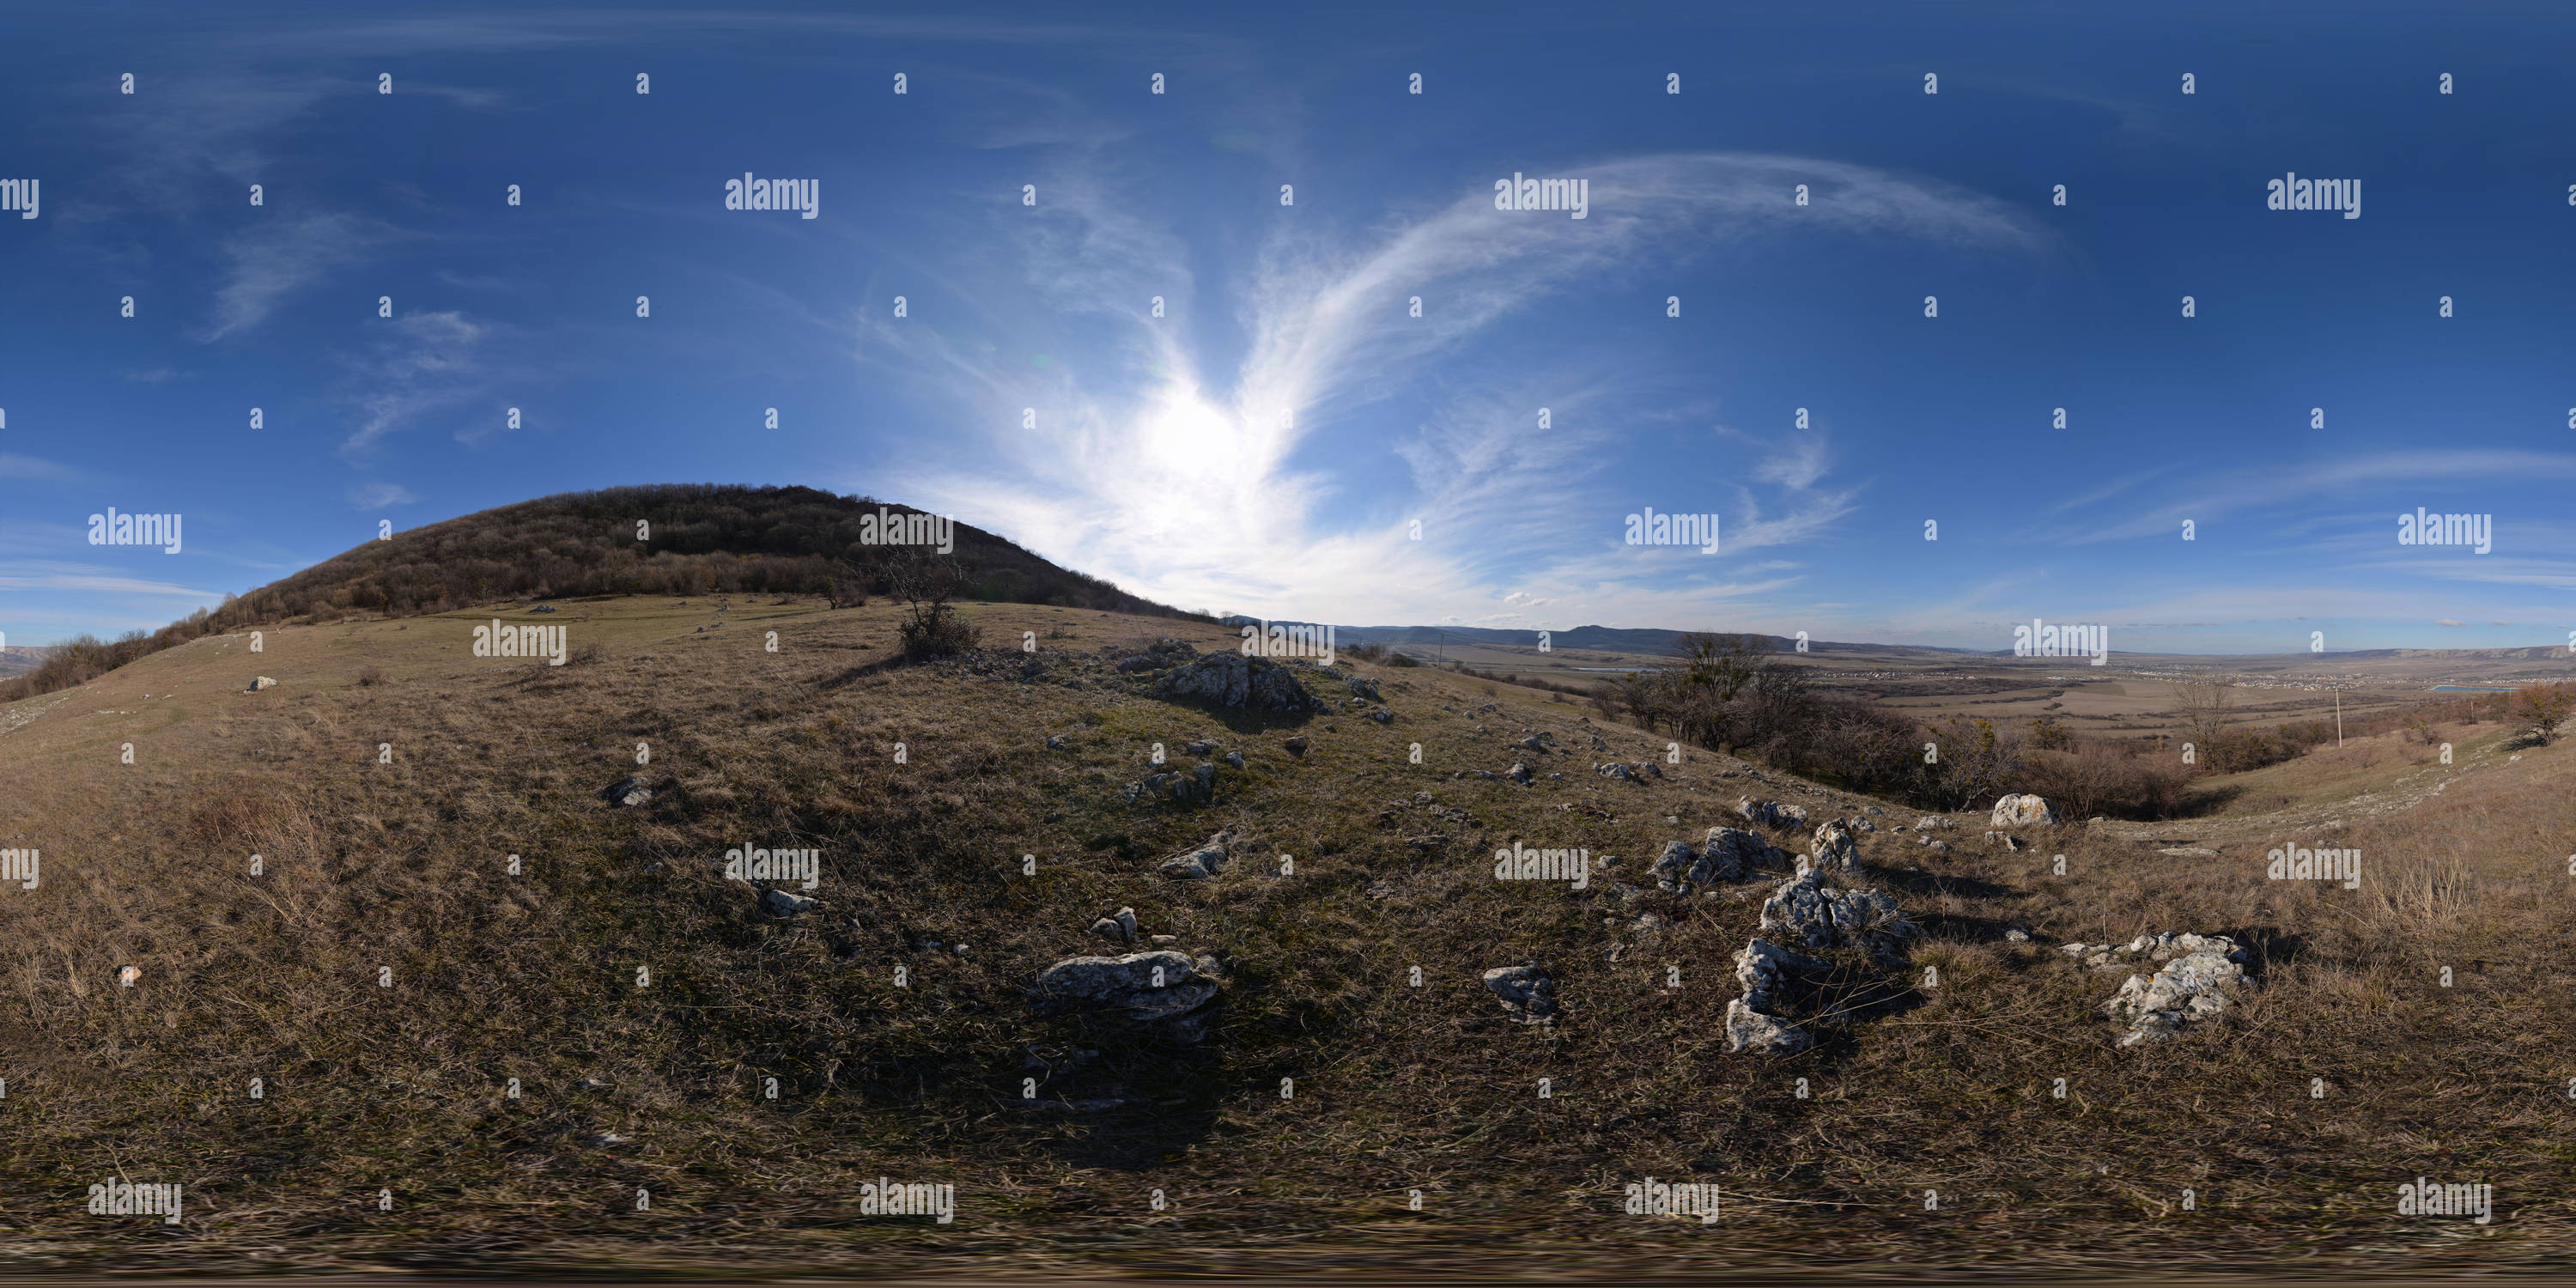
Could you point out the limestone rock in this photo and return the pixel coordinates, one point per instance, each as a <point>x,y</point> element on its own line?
<point>1140,987</point>
<point>2023,811</point>
<point>263,682</point>
<point>1749,1030</point>
<point>626,792</point>
<point>1199,864</point>
<point>1836,847</point>
<point>1248,683</point>
<point>1808,912</point>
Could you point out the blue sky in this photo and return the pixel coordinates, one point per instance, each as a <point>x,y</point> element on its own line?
<point>1164,455</point>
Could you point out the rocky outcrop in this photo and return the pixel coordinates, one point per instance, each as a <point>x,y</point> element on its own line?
<point>1731,854</point>
<point>1245,683</point>
<point>1139,988</point>
<point>1808,911</point>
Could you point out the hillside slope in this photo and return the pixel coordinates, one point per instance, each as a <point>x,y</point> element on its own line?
<point>386,976</point>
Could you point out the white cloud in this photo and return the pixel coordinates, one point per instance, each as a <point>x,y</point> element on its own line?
<point>379,496</point>
<point>1194,470</point>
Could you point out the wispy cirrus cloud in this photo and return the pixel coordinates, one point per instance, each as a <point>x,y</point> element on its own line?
<point>426,363</point>
<point>1201,463</point>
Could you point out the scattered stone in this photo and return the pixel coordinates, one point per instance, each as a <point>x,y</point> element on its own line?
<point>1764,971</point>
<point>1382,716</point>
<point>1836,847</point>
<point>263,682</point>
<point>784,904</point>
<point>1234,758</point>
<point>2003,839</point>
<point>1297,745</point>
<point>626,792</point>
<point>1931,822</point>
<point>1422,798</point>
<point>1057,744</point>
<point>1234,680</point>
<point>1873,810</point>
<point>1364,687</point>
<point>1203,747</point>
<point>1937,847</point>
<point>1199,864</point>
<point>1121,927</point>
<point>1519,773</point>
<point>1526,992</point>
<point>542,608</point>
<point>2023,811</point>
<point>1139,987</point>
<point>1535,743</point>
<point>1749,1030</point>
<point>1629,771</point>
<point>2016,935</point>
<point>2190,852</point>
<point>1771,813</point>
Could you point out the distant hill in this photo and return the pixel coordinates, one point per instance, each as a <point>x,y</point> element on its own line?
<point>1610,639</point>
<point>20,659</point>
<point>666,539</point>
<point>696,539</point>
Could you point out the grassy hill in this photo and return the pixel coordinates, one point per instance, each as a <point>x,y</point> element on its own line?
<point>389,777</point>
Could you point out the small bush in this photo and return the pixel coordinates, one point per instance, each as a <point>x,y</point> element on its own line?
<point>588,654</point>
<point>372,676</point>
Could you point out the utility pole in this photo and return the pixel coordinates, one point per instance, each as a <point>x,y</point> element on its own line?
<point>2338,719</point>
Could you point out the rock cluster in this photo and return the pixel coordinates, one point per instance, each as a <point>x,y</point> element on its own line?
<point>1197,787</point>
<point>1730,854</point>
<point>1771,813</point>
<point>1630,771</point>
<point>2195,977</point>
<point>1807,911</point>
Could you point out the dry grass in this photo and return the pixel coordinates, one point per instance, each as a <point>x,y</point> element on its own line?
<point>403,864</point>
